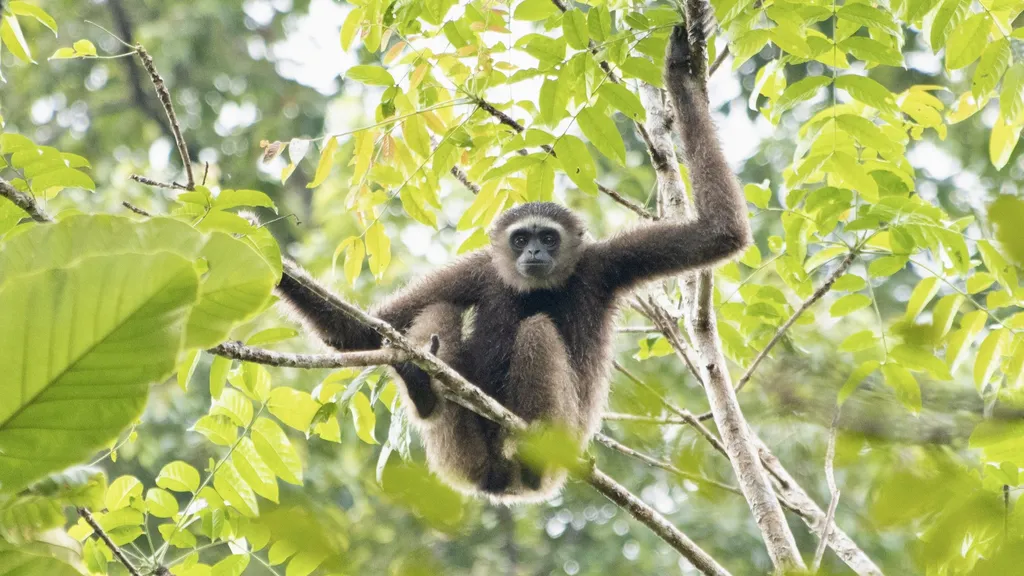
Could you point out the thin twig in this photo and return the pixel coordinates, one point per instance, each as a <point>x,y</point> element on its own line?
<point>636,329</point>
<point>512,123</point>
<point>655,521</point>
<point>632,453</point>
<point>830,478</point>
<point>464,178</point>
<point>666,420</point>
<point>821,291</point>
<point>114,548</point>
<point>135,208</point>
<point>238,351</point>
<point>150,182</point>
<point>24,201</point>
<point>718,60</point>
<point>165,100</point>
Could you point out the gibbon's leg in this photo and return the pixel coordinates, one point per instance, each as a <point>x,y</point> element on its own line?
<point>541,384</point>
<point>443,320</point>
<point>460,444</point>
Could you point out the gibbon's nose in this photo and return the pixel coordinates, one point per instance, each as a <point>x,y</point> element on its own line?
<point>533,252</point>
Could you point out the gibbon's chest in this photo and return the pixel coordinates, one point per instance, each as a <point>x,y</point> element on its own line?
<point>580,315</point>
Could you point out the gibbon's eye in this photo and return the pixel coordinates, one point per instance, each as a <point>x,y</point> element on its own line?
<point>549,239</point>
<point>519,241</point>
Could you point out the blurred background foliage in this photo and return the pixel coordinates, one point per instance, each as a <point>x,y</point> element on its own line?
<point>270,70</point>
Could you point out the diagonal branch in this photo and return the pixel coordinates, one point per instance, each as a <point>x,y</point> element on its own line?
<point>456,388</point>
<point>238,351</point>
<point>172,118</point>
<point>24,201</point>
<point>114,548</point>
<point>821,291</point>
<point>623,449</point>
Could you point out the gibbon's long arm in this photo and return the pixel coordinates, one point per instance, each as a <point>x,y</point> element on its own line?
<point>721,229</point>
<point>459,283</point>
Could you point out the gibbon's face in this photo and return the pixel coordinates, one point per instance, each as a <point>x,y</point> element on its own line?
<point>537,246</point>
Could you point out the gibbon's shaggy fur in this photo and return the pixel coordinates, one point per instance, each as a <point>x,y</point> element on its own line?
<point>540,303</point>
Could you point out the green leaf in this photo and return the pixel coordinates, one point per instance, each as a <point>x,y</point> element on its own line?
<point>799,92</point>
<point>577,162</point>
<point>323,167</point>
<point>967,41</point>
<point>903,383</point>
<point>791,39</point>
<point>1007,214</point>
<point>887,266</point>
<point>122,491</point>
<point>623,100</point>
<point>989,354</point>
<point>62,178</point>
<point>642,69</point>
<point>920,360</point>
<point>574,28</point>
<point>870,50</point>
<point>161,503</point>
<point>416,136</point>
<point>862,340</point>
<point>230,485</point>
<point>944,313</point>
<point>233,565</point>
<point>994,62</point>
<point>868,91</point>
<point>40,558</point>
<point>254,470</point>
<point>849,304</point>
<point>233,405</point>
<point>378,247</point>
<point>217,429</point>
<point>960,341</point>
<point>186,368</point>
<point>873,17</point>
<point>758,194</point>
<point>234,198</point>
<point>25,9</point>
<point>277,451</point>
<point>849,283</point>
<point>178,476</point>
<point>923,293</point>
<point>84,48</point>
<point>371,75</point>
<point>540,181</point>
<point>1002,140</point>
<point>60,330</point>
<point>602,133</point>
<point>948,15</point>
<point>293,407</point>
<point>1001,441</point>
<point>860,373</point>
<point>218,375</point>
<point>363,418</point>
<point>271,335</point>
<point>1011,97</point>
<point>14,40</point>
<point>535,10</point>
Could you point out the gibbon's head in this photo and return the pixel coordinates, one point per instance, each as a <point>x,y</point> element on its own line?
<point>537,245</point>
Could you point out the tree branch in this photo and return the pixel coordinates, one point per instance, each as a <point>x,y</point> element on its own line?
<point>24,201</point>
<point>172,118</point>
<point>622,448</point>
<point>457,389</point>
<point>238,351</point>
<point>830,478</point>
<point>511,122</point>
<point>114,549</point>
<point>821,291</point>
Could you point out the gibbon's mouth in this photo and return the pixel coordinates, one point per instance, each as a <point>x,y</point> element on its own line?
<point>534,268</point>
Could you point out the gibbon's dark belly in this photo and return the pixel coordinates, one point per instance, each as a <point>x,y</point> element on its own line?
<point>580,316</point>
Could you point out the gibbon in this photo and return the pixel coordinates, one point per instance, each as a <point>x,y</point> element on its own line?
<point>530,318</point>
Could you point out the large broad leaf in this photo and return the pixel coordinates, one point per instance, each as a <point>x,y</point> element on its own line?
<point>236,287</point>
<point>79,347</point>
<point>41,558</point>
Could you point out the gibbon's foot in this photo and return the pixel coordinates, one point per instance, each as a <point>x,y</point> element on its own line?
<point>498,477</point>
<point>417,384</point>
<point>531,478</point>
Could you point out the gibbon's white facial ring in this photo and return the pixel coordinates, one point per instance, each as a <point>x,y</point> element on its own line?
<point>535,242</point>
